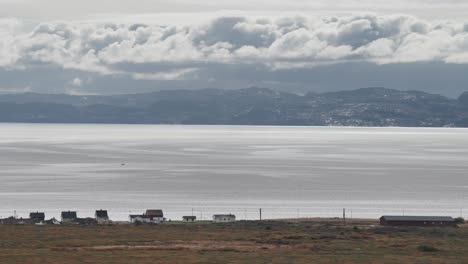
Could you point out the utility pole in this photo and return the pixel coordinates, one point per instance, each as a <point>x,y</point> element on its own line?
<point>260,214</point>
<point>192,212</point>
<point>344,216</point>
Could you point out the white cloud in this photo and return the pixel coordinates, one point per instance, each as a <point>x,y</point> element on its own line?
<point>164,76</point>
<point>167,52</point>
<point>77,82</point>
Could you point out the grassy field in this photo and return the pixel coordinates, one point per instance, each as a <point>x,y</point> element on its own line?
<point>305,241</point>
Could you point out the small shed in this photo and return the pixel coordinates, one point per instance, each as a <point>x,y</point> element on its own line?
<point>189,218</point>
<point>37,217</point>
<point>101,216</point>
<point>224,218</point>
<point>68,216</point>
<point>391,220</point>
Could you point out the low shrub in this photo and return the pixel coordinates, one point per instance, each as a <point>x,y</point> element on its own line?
<point>427,248</point>
<point>229,250</point>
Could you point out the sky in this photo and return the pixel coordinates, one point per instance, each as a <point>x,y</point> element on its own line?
<point>123,46</point>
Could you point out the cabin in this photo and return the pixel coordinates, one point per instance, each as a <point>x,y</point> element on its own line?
<point>101,216</point>
<point>37,217</point>
<point>388,220</point>
<point>224,218</point>
<point>69,217</point>
<point>152,216</point>
<point>189,218</point>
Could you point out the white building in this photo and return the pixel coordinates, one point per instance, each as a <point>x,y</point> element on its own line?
<point>189,218</point>
<point>150,217</point>
<point>224,218</point>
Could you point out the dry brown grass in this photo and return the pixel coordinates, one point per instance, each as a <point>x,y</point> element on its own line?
<point>305,241</point>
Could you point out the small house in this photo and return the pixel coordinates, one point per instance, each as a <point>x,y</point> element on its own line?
<point>101,216</point>
<point>152,216</point>
<point>69,217</point>
<point>224,218</point>
<point>37,217</point>
<point>189,218</point>
<point>388,220</point>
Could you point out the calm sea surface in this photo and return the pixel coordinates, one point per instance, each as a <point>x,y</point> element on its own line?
<point>287,171</point>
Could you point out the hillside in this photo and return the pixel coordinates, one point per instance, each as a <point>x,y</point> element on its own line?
<point>253,106</point>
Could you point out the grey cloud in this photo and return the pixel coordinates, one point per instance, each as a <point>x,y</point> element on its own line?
<point>360,31</point>
<point>237,31</point>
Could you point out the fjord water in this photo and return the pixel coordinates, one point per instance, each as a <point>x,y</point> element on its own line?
<point>287,171</point>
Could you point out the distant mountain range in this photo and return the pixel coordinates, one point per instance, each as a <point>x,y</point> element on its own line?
<point>253,106</point>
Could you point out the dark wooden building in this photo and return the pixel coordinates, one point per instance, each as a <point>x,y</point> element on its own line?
<point>37,217</point>
<point>388,220</point>
<point>69,216</point>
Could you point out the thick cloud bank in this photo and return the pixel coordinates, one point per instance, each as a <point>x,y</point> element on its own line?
<point>172,52</point>
<point>295,53</point>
